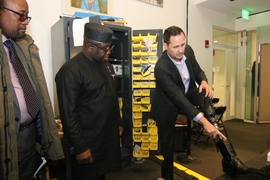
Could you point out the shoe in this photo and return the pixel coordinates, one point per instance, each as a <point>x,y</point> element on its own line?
<point>264,171</point>
<point>231,164</point>
<point>138,160</point>
<point>234,166</point>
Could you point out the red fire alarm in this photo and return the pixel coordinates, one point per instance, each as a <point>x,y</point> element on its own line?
<point>206,44</point>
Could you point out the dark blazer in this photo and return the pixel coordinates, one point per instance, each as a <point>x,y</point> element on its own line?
<point>169,97</point>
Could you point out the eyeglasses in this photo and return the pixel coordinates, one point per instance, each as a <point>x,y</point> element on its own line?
<point>107,49</point>
<point>23,17</point>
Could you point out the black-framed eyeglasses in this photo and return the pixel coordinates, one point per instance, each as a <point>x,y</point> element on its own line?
<point>107,49</point>
<point>23,17</point>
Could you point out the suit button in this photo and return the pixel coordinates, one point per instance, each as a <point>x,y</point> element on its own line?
<point>17,119</point>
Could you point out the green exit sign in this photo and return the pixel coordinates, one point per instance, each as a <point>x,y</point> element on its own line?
<point>245,14</point>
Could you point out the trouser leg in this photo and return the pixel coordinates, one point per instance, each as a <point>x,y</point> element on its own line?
<point>27,152</point>
<point>1,172</point>
<point>166,138</point>
<point>204,103</point>
<point>84,171</point>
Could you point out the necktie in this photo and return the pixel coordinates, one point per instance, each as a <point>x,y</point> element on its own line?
<point>29,92</point>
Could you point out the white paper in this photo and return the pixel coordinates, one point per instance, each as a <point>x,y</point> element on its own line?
<point>40,162</point>
<point>78,30</point>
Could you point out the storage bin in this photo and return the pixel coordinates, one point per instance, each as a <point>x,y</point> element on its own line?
<point>137,92</point>
<point>145,92</point>
<point>137,115</point>
<point>137,122</point>
<point>136,108</point>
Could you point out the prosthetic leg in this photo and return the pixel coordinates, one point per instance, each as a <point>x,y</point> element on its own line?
<point>231,164</point>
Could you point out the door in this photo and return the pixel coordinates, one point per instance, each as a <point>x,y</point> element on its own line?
<point>224,78</point>
<point>264,85</point>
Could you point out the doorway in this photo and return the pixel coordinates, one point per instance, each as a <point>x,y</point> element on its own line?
<point>224,78</point>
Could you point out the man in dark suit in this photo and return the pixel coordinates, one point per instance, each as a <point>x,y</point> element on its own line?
<point>180,85</point>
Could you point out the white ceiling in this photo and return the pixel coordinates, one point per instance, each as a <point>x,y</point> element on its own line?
<point>233,8</point>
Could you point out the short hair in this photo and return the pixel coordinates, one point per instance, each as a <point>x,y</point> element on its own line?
<point>171,31</point>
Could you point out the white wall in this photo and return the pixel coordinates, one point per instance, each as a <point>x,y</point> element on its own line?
<point>141,15</point>
<point>253,22</point>
<point>201,22</point>
<point>138,15</point>
<point>44,14</point>
<point>263,34</point>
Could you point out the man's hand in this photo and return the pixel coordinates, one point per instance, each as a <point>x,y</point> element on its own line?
<point>121,129</point>
<point>208,89</point>
<point>210,129</point>
<point>85,157</point>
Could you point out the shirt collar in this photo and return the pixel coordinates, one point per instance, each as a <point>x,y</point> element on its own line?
<point>3,38</point>
<point>178,62</point>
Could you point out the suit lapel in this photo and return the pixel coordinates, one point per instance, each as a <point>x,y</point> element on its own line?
<point>175,71</point>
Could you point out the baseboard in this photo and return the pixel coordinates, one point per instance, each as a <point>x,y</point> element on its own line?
<point>249,121</point>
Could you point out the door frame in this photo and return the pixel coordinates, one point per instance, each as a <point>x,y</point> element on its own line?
<point>227,101</point>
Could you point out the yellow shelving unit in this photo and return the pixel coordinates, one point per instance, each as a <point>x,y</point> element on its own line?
<point>146,45</point>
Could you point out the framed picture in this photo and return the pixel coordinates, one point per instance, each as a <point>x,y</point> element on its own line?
<point>154,2</point>
<point>89,6</point>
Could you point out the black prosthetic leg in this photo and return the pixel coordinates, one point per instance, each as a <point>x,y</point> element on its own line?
<point>231,164</point>
<point>210,115</point>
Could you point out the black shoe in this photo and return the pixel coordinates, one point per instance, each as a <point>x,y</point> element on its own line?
<point>264,171</point>
<point>234,166</point>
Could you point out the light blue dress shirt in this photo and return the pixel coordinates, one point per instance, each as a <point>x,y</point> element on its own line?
<point>183,70</point>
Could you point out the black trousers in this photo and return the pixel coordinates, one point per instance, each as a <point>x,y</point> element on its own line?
<point>27,152</point>
<point>80,172</point>
<point>166,134</point>
<point>1,171</point>
<point>166,140</point>
<point>199,100</point>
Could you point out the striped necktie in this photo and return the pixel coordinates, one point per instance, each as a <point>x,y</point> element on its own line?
<point>29,92</point>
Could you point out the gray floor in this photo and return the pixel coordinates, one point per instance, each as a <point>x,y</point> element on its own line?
<point>251,143</point>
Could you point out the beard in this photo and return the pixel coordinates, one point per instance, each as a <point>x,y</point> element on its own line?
<point>19,34</point>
